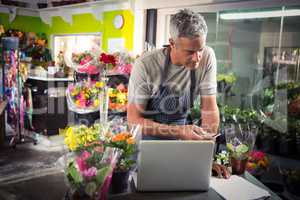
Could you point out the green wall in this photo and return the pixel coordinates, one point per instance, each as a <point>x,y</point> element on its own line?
<point>83,23</point>
<point>24,23</point>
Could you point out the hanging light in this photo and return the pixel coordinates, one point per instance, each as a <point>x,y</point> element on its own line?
<point>260,14</point>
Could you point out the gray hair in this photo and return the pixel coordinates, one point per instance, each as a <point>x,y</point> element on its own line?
<point>187,23</point>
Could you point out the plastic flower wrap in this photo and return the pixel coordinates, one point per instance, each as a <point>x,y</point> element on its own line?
<point>257,162</point>
<point>127,142</point>
<point>89,172</point>
<point>107,61</point>
<point>83,97</point>
<point>94,157</point>
<point>85,62</point>
<point>118,98</point>
<point>124,65</point>
<point>90,164</point>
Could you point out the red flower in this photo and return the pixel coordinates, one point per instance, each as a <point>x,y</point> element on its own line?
<point>257,155</point>
<point>108,59</point>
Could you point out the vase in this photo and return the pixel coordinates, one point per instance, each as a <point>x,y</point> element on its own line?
<point>120,181</point>
<point>104,99</point>
<point>238,165</point>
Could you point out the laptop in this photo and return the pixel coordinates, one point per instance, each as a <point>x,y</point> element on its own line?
<point>174,165</point>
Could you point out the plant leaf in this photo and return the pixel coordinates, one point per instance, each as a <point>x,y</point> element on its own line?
<point>91,188</point>
<point>76,176</point>
<point>101,174</point>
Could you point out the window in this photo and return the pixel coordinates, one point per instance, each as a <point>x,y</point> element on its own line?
<point>75,43</point>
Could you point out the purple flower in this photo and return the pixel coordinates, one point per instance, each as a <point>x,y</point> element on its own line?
<point>89,173</point>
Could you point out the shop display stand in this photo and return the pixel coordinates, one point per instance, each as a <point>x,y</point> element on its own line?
<point>13,85</point>
<point>84,116</point>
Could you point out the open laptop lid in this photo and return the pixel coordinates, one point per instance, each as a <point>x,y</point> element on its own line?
<point>174,165</point>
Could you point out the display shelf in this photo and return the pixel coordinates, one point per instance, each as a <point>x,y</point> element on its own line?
<point>41,78</point>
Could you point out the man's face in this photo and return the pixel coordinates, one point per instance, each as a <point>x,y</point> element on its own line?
<point>188,52</point>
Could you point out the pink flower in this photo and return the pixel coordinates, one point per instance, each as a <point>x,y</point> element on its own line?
<point>85,60</point>
<point>86,155</point>
<point>92,69</point>
<point>258,155</point>
<point>82,102</point>
<point>125,69</point>
<point>82,69</point>
<point>90,172</point>
<point>71,87</point>
<point>81,161</point>
<point>81,164</point>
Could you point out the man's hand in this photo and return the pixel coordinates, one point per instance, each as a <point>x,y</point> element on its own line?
<point>193,132</point>
<point>220,171</point>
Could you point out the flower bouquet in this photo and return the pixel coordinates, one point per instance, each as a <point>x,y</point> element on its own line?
<point>126,142</point>
<point>258,162</point>
<point>85,63</point>
<point>83,97</point>
<point>107,62</point>
<point>124,64</point>
<point>89,169</point>
<point>118,98</point>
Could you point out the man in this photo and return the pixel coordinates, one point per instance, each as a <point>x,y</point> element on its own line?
<point>165,82</point>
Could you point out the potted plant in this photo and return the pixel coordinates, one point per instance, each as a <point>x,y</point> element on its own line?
<point>239,143</point>
<point>225,82</point>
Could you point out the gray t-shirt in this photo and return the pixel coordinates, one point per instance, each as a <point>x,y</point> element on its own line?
<point>146,76</point>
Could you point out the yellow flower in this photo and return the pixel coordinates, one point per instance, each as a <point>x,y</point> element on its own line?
<point>74,93</point>
<point>122,97</point>
<point>112,93</point>
<point>77,102</point>
<point>70,139</point>
<point>96,103</point>
<point>99,84</point>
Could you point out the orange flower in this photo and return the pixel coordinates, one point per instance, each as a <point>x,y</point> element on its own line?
<point>130,140</point>
<point>112,106</point>
<point>121,137</point>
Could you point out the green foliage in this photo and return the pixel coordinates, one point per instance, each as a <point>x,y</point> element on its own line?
<point>242,116</point>
<point>90,188</point>
<point>239,151</point>
<point>222,158</point>
<point>73,175</point>
<point>101,174</point>
<point>228,78</point>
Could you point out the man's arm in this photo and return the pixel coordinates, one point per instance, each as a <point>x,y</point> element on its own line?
<point>210,114</point>
<point>151,128</point>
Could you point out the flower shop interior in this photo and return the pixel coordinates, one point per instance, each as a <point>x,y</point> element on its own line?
<point>64,75</point>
